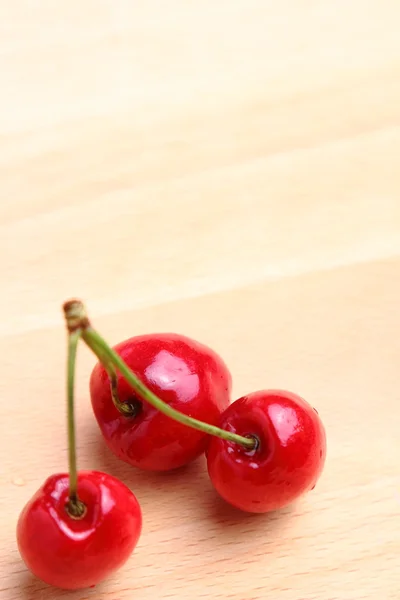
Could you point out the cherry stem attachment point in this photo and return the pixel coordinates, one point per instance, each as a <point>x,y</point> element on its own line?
<point>76,318</point>
<point>74,507</point>
<point>126,408</point>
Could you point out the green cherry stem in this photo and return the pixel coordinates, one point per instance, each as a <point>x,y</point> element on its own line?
<point>74,507</point>
<point>94,340</point>
<point>76,318</point>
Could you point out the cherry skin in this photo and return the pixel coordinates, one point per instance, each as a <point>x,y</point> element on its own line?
<point>189,376</point>
<point>286,463</point>
<point>73,553</point>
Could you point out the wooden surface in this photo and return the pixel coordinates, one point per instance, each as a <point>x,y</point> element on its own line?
<point>228,170</point>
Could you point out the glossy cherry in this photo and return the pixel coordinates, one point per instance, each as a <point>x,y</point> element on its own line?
<point>73,553</point>
<point>183,373</point>
<point>78,527</point>
<point>288,459</point>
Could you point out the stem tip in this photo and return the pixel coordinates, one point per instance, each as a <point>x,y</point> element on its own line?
<point>75,315</point>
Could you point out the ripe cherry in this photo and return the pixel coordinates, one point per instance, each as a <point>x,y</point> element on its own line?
<point>184,374</point>
<point>76,552</point>
<point>78,528</point>
<point>287,460</point>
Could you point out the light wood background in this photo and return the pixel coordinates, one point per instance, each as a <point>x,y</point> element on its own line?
<point>228,170</point>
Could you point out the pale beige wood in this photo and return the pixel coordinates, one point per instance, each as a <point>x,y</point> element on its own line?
<point>229,170</point>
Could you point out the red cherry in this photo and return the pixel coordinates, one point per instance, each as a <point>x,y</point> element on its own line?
<point>183,373</point>
<point>74,553</point>
<point>286,463</point>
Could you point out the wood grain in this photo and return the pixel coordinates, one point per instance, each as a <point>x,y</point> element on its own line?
<point>228,170</point>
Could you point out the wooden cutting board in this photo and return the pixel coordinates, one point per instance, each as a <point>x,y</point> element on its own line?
<point>228,170</point>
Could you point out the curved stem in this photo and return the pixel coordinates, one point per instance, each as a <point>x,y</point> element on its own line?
<point>76,317</point>
<point>93,340</point>
<point>75,507</point>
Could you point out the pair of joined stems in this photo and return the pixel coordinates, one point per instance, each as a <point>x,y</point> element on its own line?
<point>79,327</point>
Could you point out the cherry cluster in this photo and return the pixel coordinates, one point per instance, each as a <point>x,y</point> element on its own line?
<point>160,402</point>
